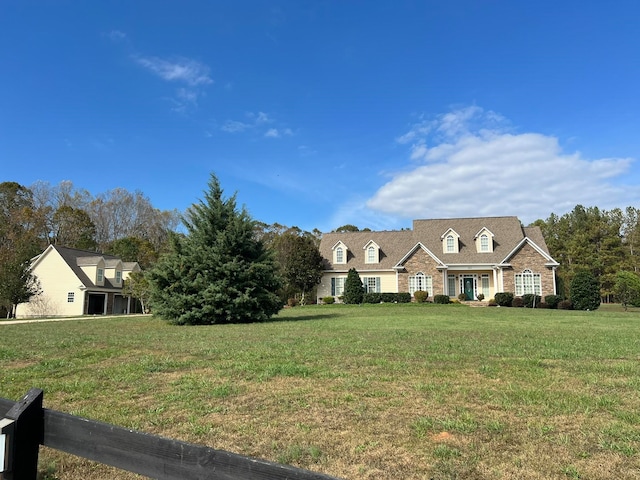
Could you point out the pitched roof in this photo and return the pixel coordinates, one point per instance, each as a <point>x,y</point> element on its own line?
<point>395,245</point>
<point>75,258</point>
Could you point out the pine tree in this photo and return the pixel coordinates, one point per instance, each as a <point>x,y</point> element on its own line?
<point>353,288</point>
<point>218,272</point>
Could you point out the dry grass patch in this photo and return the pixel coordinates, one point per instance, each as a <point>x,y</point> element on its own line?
<point>372,392</point>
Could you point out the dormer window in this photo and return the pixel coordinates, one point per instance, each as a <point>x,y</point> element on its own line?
<point>484,241</point>
<point>340,253</point>
<point>100,275</point>
<point>451,244</point>
<point>118,277</point>
<point>372,252</point>
<point>450,241</point>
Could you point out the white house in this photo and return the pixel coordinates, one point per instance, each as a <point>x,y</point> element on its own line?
<point>78,282</point>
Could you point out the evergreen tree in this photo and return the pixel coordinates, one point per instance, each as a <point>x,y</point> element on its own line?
<point>585,291</point>
<point>218,272</point>
<point>353,288</point>
<point>627,289</point>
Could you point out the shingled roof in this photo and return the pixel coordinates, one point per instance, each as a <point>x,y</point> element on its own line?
<point>507,232</point>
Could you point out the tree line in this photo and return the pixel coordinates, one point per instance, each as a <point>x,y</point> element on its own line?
<point>602,242</point>
<point>125,224</point>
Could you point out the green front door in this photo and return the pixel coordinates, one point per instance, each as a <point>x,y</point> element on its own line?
<point>468,288</point>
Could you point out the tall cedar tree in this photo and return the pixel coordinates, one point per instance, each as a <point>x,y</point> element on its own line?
<point>585,291</point>
<point>353,288</point>
<point>218,272</point>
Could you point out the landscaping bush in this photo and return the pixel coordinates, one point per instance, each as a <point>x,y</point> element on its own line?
<point>565,305</point>
<point>462,297</point>
<point>481,296</point>
<point>388,297</point>
<point>404,297</point>
<point>421,296</point>
<point>517,302</point>
<point>441,299</point>
<point>292,302</point>
<point>504,299</point>
<point>585,291</point>
<point>372,297</point>
<point>552,300</point>
<point>328,300</point>
<point>542,305</point>
<point>353,288</point>
<point>493,303</point>
<point>531,301</point>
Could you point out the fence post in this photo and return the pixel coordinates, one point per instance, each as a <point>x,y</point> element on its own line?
<point>24,424</point>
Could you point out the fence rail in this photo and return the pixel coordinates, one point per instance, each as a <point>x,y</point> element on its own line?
<point>25,425</point>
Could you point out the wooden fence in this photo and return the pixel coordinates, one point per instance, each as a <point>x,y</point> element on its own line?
<point>25,425</point>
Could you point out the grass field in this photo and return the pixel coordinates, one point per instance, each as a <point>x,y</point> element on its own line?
<point>360,392</point>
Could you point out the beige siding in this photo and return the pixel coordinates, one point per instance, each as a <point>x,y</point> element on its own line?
<point>388,282</point>
<point>57,280</point>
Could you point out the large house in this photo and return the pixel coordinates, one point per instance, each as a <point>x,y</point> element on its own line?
<point>78,282</point>
<point>445,256</point>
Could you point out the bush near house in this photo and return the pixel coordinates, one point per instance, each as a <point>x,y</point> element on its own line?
<point>552,300</point>
<point>441,299</point>
<point>328,300</point>
<point>531,301</point>
<point>372,297</point>
<point>421,296</point>
<point>504,299</point>
<point>517,302</point>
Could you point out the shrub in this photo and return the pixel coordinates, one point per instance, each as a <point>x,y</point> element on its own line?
<point>421,296</point>
<point>353,288</point>
<point>493,303</point>
<point>565,305</point>
<point>372,297</point>
<point>543,305</point>
<point>552,300</point>
<point>481,296</point>
<point>585,291</point>
<point>328,300</point>
<point>504,299</point>
<point>292,302</point>
<point>531,301</point>
<point>441,299</point>
<point>404,297</point>
<point>517,302</point>
<point>462,297</point>
<point>388,297</point>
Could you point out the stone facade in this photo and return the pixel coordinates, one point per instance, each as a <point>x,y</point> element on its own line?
<point>421,261</point>
<point>528,258</point>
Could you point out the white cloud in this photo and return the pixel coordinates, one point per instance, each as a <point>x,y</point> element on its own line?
<point>116,36</point>
<point>183,70</point>
<point>233,126</point>
<point>471,164</point>
<point>272,133</point>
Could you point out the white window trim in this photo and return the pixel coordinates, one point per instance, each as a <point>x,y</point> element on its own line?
<point>528,282</point>
<point>420,281</point>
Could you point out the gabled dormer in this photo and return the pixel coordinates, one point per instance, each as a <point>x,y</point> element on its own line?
<point>93,267</point>
<point>113,271</point>
<point>450,241</point>
<point>339,253</point>
<point>484,241</point>
<point>371,252</point>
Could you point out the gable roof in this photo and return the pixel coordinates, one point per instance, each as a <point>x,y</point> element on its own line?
<point>75,258</point>
<point>395,246</point>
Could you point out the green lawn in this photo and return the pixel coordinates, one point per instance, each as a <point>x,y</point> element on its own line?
<point>360,392</point>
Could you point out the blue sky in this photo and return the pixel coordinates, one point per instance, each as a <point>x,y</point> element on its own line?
<point>320,114</point>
